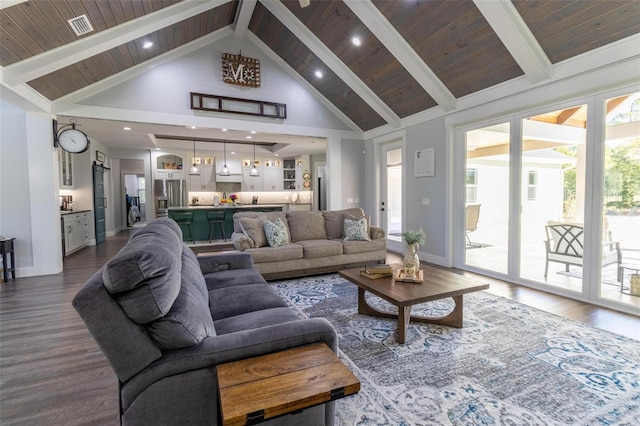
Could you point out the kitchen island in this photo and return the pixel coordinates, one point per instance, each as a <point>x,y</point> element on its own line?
<point>200,224</point>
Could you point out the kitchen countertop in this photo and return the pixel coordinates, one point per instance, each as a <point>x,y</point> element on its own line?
<point>230,206</point>
<point>66,212</point>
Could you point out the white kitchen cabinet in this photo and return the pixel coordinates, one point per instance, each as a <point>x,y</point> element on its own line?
<point>76,231</point>
<point>169,166</point>
<point>252,183</point>
<point>272,176</point>
<point>297,172</point>
<point>205,181</point>
<point>66,169</point>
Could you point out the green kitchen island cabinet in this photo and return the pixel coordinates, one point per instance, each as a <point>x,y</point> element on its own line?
<point>200,225</point>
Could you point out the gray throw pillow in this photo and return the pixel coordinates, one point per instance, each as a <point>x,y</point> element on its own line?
<point>254,229</point>
<point>356,230</point>
<point>276,233</point>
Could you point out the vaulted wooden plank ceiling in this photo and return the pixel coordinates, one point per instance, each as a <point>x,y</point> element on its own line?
<point>413,55</point>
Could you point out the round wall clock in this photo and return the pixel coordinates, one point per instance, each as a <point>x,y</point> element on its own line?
<point>73,140</point>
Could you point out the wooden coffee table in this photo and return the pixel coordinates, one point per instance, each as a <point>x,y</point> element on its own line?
<point>437,285</point>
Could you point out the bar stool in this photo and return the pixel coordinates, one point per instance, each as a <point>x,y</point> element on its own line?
<point>216,216</point>
<point>183,217</point>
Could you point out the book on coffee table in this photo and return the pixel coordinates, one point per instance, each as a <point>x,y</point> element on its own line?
<point>375,276</point>
<point>378,269</point>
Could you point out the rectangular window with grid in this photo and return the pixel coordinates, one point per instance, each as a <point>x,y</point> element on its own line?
<point>472,185</point>
<point>532,185</point>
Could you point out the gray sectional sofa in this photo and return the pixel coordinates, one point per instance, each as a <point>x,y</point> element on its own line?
<point>316,242</point>
<point>165,318</point>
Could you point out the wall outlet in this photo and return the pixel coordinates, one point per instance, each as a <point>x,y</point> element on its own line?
<point>349,200</point>
<point>425,201</point>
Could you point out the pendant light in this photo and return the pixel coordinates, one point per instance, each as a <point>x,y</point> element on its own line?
<point>194,168</point>
<point>254,170</point>
<point>225,170</point>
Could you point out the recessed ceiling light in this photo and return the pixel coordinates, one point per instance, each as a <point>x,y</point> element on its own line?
<point>157,149</point>
<point>253,132</point>
<point>319,74</point>
<point>248,137</point>
<point>356,41</point>
<point>147,44</point>
<point>126,128</point>
<point>224,130</point>
<point>193,127</point>
<point>277,155</point>
<point>233,152</point>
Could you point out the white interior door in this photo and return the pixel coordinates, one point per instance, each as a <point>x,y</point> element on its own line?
<point>391,194</point>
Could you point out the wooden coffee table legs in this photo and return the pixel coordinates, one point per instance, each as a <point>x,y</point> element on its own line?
<point>453,319</point>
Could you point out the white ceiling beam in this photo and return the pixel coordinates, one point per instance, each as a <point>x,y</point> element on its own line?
<point>331,61</point>
<point>243,17</point>
<point>514,33</point>
<point>63,56</point>
<point>8,3</point>
<point>294,74</point>
<point>369,14</point>
<point>104,84</point>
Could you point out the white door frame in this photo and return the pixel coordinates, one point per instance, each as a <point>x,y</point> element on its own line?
<point>395,140</point>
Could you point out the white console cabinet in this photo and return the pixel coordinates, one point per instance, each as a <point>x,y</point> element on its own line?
<point>76,231</point>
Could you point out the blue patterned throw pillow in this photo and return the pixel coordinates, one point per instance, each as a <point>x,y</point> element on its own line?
<point>356,230</point>
<point>276,233</point>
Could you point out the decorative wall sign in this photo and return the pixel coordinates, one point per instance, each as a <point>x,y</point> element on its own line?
<point>424,162</point>
<point>240,70</point>
<point>100,157</point>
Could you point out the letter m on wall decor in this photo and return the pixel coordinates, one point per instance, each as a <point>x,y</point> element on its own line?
<point>240,70</point>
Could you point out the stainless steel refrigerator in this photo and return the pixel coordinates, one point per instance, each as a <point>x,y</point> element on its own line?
<point>169,193</point>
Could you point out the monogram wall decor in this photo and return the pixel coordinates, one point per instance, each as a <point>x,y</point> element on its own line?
<point>240,70</point>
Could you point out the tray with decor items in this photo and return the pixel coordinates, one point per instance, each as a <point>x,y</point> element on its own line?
<point>402,277</point>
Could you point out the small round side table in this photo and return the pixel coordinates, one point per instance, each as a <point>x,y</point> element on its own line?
<point>621,277</point>
<point>6,247</point>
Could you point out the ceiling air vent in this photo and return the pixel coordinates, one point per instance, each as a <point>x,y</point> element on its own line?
<point>80,25</point>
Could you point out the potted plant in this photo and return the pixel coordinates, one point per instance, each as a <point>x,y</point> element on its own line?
<point>411,261</point>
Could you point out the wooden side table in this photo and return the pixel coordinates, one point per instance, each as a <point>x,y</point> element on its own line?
<point>6,247</point>
<point>261,388</point>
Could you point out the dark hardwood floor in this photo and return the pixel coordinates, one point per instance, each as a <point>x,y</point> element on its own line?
<point>53,373</point>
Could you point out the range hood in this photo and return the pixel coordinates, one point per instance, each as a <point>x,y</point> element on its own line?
<point>234,166</point>
<point>233,177</point>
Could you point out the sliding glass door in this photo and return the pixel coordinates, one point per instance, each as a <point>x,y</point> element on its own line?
<point>486,203</point>
<point>551,199</point>
<point>552,193</point>
<point>621,200</point>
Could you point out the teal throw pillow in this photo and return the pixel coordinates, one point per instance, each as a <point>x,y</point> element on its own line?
<point>276,233</point>
<point>356,230</point>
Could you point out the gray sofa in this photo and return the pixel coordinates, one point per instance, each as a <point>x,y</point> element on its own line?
<point>316,242</point>
<point>165,318</point>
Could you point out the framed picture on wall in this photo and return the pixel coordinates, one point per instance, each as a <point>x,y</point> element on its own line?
<point>424,162</point>
<point>100,157</point>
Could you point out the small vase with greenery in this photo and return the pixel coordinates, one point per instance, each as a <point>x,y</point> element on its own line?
<point>411,261</point>
<point>414,237</point>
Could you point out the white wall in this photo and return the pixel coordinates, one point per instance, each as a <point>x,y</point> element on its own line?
<point>29,208</point>
<point>166,87</point>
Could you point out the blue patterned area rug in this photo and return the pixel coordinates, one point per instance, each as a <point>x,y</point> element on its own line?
<point>510,365</point>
